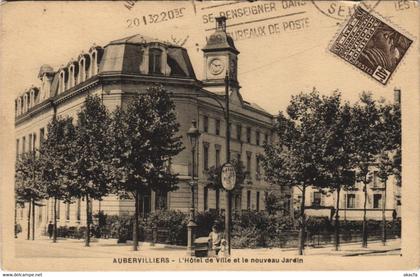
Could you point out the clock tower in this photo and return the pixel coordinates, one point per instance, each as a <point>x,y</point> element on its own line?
<point>220,58</point>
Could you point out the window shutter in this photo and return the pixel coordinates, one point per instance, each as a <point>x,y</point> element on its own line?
<point>369,201</point>
<point>322,200</point>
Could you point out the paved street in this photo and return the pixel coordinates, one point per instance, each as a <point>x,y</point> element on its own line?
<point>71,248</point>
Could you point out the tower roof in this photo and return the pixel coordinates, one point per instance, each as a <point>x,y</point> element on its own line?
<point>220,40</point>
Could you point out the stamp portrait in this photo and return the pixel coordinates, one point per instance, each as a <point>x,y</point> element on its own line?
<point>371,45</point>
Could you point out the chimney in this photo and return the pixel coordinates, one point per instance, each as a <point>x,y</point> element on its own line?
<point>397,96</point>
<point>221,23</point>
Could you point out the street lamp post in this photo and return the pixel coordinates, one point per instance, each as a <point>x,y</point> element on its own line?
<point>228,215</point>
<point>225,108</point>
<point>193,135</point>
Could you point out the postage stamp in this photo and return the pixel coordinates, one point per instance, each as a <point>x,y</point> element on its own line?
<point>371,45</point>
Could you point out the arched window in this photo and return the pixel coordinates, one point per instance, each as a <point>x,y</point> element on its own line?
<point>155,57</point>
<point>25,102</point>
<point>71,76</point>
<point>20,105</point>
<point>94,63</point>
<point>63,84</point>
<point>82,71</point>
<point>31,99</point>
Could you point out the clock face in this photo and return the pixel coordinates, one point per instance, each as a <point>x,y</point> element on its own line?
<point>216,66</point>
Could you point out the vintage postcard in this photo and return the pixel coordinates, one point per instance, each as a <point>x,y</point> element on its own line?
<point>209,135</point>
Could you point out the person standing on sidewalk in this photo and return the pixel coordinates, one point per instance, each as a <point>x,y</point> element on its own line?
<point>50,229</point>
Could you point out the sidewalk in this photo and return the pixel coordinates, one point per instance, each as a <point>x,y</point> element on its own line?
<point>44,247</point>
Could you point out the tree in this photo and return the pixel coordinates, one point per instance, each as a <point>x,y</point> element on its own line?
<point>90,156</point>
<point>273,202</point>
<point>367,142</point>
<point>390,158</point>
<point>337,160</point>
<point>29,186</point>
<point>143,141</point>
<point>303,154</point>
<point>56,155</point>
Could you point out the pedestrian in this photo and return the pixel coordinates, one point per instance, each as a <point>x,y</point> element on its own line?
<point>215,238</point>
<point>223,249</point>
<point>50,229</point>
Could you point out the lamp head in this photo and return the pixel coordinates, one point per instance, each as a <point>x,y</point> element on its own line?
<point>193,134</point>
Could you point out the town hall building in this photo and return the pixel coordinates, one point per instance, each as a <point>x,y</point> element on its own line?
<point>130,65</point>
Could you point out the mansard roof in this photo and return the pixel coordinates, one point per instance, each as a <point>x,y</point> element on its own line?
<point>126,56</point>
<point>141,39</point>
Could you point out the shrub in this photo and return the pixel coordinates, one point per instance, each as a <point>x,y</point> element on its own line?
<point>316,225</point>
<point>205,221</point>
<point>245,238</point>
<point>259,229</point>
<point>121,227</point>
<point>175,222</point>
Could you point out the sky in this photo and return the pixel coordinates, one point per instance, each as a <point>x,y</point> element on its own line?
<point>287,52</point>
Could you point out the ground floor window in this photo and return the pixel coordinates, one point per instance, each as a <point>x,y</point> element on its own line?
<point>206,198</point>
<point>377,201</point>
<point>248,199</point>
<point>258,200</point>
<point>58,209</point>
<point>316,201</point>
<point>217,199</point>
<point>351,201</point>
<point>78,209</point>
<point>144,204</point>
<point>67,211</point>
<point>161,200</point>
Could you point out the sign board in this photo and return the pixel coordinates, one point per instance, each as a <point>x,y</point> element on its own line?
<point>228,176</point>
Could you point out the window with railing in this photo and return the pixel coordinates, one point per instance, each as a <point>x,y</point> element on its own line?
<point>248,134</point>
<point>217,155</point>
<point>238,132</point>
<point>257,138</point>
<point>248,164</point>
<point>206,156</point>
<point>217,131</point>
<point>206,124</point>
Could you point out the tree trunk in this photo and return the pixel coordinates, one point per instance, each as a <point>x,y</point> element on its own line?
<point>364,228</point>
<point>337,221</point>
<point>15,229</point>
<point>136,223</point>
<point>33,219</point>
<point>87,235</point>
<point>55,220</point>
<point>302,225</point>
<point>29,220</point>
<point>383,217</point>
